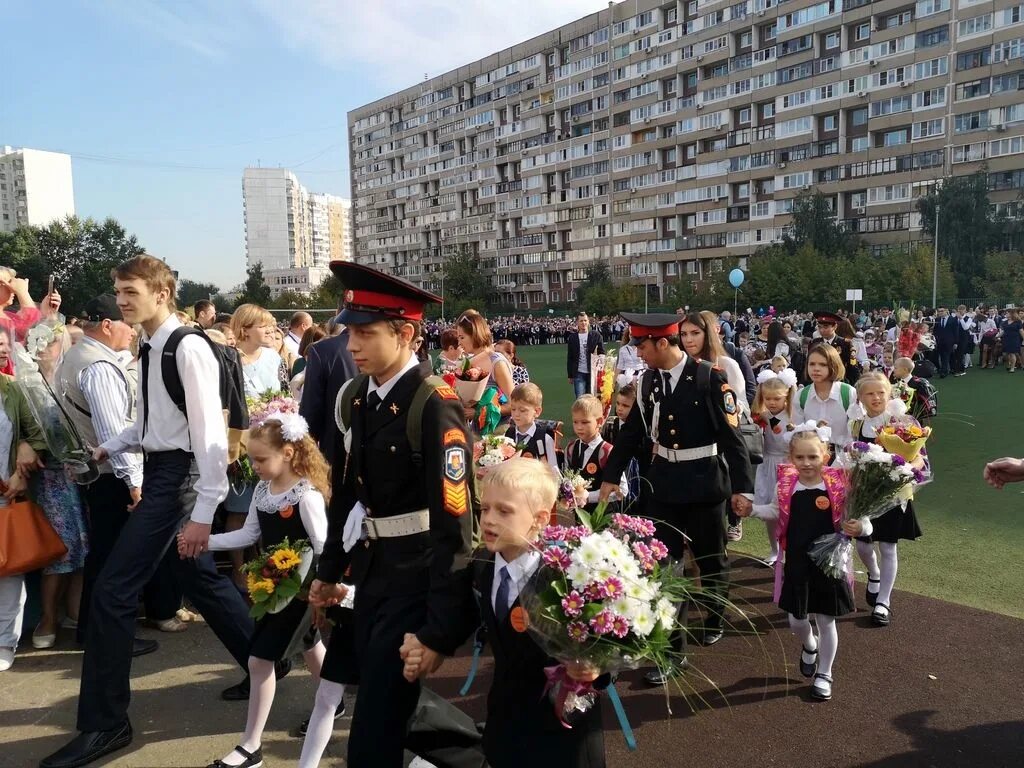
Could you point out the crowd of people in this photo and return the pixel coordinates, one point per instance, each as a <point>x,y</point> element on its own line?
<point>713,419</point>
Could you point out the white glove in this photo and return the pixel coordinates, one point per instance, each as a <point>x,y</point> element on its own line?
<point>353,526</point>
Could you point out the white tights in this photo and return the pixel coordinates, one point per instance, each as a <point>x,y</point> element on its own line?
<point>262,687</point>
<point>826,642</point>
<point>321,723</point>
<point>882,567</point>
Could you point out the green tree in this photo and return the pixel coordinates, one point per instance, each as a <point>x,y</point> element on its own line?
<point>291,300</point>
<point>968,226</point>
<point>328,294</point>
<point>598,277</point>
<point>255,289</point>
<point>1004,277</point>
<point>815,224</point>
<point>465,283</point>
<point>79,253</point>
<point>190,291</point>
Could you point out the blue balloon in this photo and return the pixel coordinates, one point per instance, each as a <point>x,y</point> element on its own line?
<point>736,278</point>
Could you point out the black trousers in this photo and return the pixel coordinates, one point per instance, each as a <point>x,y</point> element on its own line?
<point>391,715</point>
<point>705,525</point>
<point>107,500</point>
<point>167,500</point>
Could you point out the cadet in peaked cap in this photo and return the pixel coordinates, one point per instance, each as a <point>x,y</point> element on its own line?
<point>371,296</point>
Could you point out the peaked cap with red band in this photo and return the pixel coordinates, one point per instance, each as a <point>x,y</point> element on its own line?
<point>656,326</point>
<point>371,296</point>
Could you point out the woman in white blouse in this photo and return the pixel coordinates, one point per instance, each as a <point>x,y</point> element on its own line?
<point>253,327</point>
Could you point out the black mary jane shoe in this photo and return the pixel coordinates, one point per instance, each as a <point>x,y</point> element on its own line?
<point>821,687</point>
<point>881,618</point>
<point>89,746</point>
<point>253,759</point>
<point>871,597</point>
<point>808,670</point>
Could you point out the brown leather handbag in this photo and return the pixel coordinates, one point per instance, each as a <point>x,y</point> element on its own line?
<point>27,540</point>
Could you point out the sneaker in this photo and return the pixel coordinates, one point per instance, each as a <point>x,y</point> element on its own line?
<point>6,659</point>
<point>338,714</point>
<point>734,532</point>
<point>173,624</point>
<point>960,373</point>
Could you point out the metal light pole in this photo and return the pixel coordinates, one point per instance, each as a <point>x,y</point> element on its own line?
<point>935,260</point>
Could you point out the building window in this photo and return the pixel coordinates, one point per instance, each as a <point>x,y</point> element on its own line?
<point>863,32</point>
<point>829,123</point>
<point>982,57</point>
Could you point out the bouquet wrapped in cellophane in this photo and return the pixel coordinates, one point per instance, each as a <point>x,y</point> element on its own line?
<point>602,375</point>
<point>276,576</point>
<point>572,484</point>
<point>605,598</point>
<point>876,482</point>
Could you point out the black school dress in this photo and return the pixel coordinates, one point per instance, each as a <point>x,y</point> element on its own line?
<point>898,523</point>
<point>277,634</point>
<point>805,587</point>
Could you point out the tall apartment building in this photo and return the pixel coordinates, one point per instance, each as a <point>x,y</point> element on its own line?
<point>662,137</point>
<point>293,233</point>
<point>35,187</point>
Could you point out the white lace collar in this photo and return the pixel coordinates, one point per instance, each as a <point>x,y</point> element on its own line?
<point>272,503</point>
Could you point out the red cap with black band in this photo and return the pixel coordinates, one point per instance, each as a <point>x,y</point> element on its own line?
<point>371,296</point>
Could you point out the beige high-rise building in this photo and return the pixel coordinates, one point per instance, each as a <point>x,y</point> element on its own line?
<point>293,233</point>
<point>35,187</point>
<point>661,137</point>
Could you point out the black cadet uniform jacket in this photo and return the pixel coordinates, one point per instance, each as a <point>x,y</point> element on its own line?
<point>381,473</point>
<point>688,419</point>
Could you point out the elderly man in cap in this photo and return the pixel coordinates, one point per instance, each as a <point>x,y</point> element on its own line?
<point>400,520</point>
<point>686,419</point>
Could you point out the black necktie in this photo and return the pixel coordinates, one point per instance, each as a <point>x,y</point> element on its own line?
<point>773,421</point>
<point>521,438</point>
<point>144,356</point>
<point>373,400</point>
<point>668,382</point>
<point>501,599</point>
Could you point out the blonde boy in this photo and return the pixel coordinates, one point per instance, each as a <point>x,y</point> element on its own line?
<point>589,452</point>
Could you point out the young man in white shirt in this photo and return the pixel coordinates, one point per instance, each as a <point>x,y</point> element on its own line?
<point>185,473</point>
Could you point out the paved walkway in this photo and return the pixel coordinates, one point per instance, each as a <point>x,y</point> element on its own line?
<point>942,687</point>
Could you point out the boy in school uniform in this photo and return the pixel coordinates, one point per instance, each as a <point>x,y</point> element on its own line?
<point>536,442</point>
<point>624,401</point>
<point>516,501</point>
<point>589,452</point>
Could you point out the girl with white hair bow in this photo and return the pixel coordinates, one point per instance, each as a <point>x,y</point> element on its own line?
<point>773,412</point>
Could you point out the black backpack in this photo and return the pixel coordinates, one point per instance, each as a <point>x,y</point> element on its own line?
<point>232,389</point>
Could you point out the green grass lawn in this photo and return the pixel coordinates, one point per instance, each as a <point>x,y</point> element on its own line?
<point>973,535</point>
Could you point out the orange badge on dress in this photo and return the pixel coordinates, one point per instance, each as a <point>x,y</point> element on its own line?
<point>822,503</point>
<point>591,468</point>
<point>287,512</point>
<point>519,619</point>
<point>527,455</point>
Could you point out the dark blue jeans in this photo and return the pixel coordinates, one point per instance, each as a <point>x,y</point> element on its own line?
<point>581,384</point>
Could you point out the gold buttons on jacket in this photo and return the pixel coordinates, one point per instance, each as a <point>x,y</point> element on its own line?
<point>671,417</point>
<point>671,431</point>
<point>393,449</point>
<point>675,446</point>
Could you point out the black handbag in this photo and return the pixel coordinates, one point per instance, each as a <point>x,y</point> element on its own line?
<point>753,438</point>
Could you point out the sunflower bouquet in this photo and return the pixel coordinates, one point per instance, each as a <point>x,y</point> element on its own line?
<point>276,576</point>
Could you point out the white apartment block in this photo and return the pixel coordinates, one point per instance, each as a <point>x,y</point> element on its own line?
<point>293,233</point>
<point>35,187</point>
<point>662,137</point>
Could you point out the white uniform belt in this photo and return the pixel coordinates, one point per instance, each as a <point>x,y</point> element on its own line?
<point>399,525</point>
<point>677,455</point>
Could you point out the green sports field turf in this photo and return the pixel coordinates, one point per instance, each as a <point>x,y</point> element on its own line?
<point>973,544</point>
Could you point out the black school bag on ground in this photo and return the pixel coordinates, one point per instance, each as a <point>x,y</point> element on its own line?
<point>232,389</point>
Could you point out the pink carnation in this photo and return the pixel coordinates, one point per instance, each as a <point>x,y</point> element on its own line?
<point>658,549</point>
<point>612,588</point>
<point>620,627</point>
<point>556,557</point>
<point>573,604</point>
<point>577,631</point>
<point>507,451</point>
<point>554,533</point>
<point>602,623</point>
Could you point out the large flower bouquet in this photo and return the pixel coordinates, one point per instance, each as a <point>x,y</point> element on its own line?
<point>877,480</point>
<point>492,450</point>
<point>605,598</point>
<point>572,486</point>
<point>602,373</point>
<point>276,576</point>
<point>904,437</point>
<point>241,476</point>
<point>469,381</point>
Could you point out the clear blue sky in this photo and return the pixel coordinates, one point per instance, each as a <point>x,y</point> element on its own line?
<point>162,105</point>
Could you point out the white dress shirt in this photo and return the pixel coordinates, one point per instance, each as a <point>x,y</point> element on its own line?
<point>203,434</point>
<point>382,390</point>
<point>291,343</point>
<point>550,453</point>
<point>106,393</point>
<point>830,411</point>
<point>312,510</point>
<point>519,570</point>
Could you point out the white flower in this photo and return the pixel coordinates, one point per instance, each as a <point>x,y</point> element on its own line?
<point>640,589</point>
<point>626,606</point>
<point>579,575</point>
<point>666,613</point>
<point>643,623</point>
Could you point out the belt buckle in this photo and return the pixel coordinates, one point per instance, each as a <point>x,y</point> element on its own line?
<point>369,528</point>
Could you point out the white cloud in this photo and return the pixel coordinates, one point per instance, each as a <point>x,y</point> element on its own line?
<point>401,40</point>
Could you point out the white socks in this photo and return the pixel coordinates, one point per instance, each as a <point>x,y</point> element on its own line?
<point>828,639</point>
<point>773,538</point>
<point>890,564</point>
<point>321,723</point>
<point>804,632</point>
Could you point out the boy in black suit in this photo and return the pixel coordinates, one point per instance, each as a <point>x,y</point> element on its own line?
<point>516,500</point>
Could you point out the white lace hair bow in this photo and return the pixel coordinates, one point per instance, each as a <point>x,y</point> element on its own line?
<point>824,433</point>
<point>293,426</point>
<point>787,376</point>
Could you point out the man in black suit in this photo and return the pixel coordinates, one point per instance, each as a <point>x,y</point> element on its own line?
<point>329,365</point>
<point>582,345</point>
<point>947,333</point>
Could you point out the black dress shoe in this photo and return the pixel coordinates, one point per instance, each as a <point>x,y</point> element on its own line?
<point>240,691</point>
<point>88,746</point>
<point>711,636</point>
<point>871,597</point>
<point>658,676</point>
<point>141,646</point>
<point>808,669</point>
<point>253,759</point>
<point>338,713</point>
